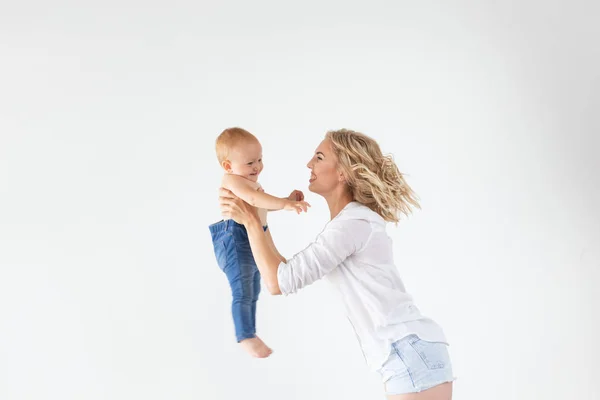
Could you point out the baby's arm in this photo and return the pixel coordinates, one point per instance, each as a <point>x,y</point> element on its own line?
<point>244,189</point>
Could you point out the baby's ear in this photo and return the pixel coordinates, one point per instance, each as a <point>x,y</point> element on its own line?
<point>226,164</point>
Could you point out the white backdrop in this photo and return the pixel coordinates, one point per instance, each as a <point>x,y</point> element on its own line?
<point>109,288</point>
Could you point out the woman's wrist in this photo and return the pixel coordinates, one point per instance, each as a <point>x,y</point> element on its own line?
<point>251,219</point>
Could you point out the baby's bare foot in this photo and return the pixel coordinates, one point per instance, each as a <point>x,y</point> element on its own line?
<point>256,347</point>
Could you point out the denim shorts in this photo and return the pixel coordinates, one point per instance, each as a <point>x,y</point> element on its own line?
<point>415,365</point>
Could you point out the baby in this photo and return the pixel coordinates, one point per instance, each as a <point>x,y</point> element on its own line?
<point>240,155</point>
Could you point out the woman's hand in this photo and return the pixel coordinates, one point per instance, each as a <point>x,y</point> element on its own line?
<point>296,195</point>
<point>235,208</point>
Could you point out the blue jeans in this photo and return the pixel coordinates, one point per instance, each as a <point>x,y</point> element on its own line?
<point>234,256</point>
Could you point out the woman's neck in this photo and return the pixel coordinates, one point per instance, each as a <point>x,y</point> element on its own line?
<point>337,203</point>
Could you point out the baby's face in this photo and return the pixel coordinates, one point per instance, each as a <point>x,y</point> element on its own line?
<point>246,160</point>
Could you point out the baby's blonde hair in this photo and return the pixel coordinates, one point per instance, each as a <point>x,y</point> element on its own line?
<point>373,178</point>
<point>230,138</point>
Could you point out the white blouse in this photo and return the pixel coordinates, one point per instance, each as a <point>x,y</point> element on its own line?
<point>354,253</point>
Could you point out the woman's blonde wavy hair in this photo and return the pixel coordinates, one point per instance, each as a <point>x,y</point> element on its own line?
<point>372,177</point>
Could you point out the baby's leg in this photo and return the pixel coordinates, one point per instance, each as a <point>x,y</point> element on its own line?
<point>234,258</point>
<point>255,295</point>
<point>244,308</point>
<point>241,308</point>
<point>256,280</point>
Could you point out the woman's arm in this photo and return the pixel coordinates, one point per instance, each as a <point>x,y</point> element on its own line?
<point>263,249</point>
<point>272,243</point>
<point>265,254</point>
<point>338,241</point>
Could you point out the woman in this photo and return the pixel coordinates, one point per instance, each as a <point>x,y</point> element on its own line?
<point>363,190</point>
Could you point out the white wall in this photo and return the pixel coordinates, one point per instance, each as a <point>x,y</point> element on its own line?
<point>108,285</point>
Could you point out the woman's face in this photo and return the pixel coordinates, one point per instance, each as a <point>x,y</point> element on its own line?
<point>325,177</point>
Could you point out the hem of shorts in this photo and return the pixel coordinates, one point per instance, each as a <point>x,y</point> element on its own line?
<point>421,389</point>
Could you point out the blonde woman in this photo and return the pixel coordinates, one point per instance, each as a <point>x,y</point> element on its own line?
<point>364,190</point>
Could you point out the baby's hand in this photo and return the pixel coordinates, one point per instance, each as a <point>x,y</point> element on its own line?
<point>297,206</point>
